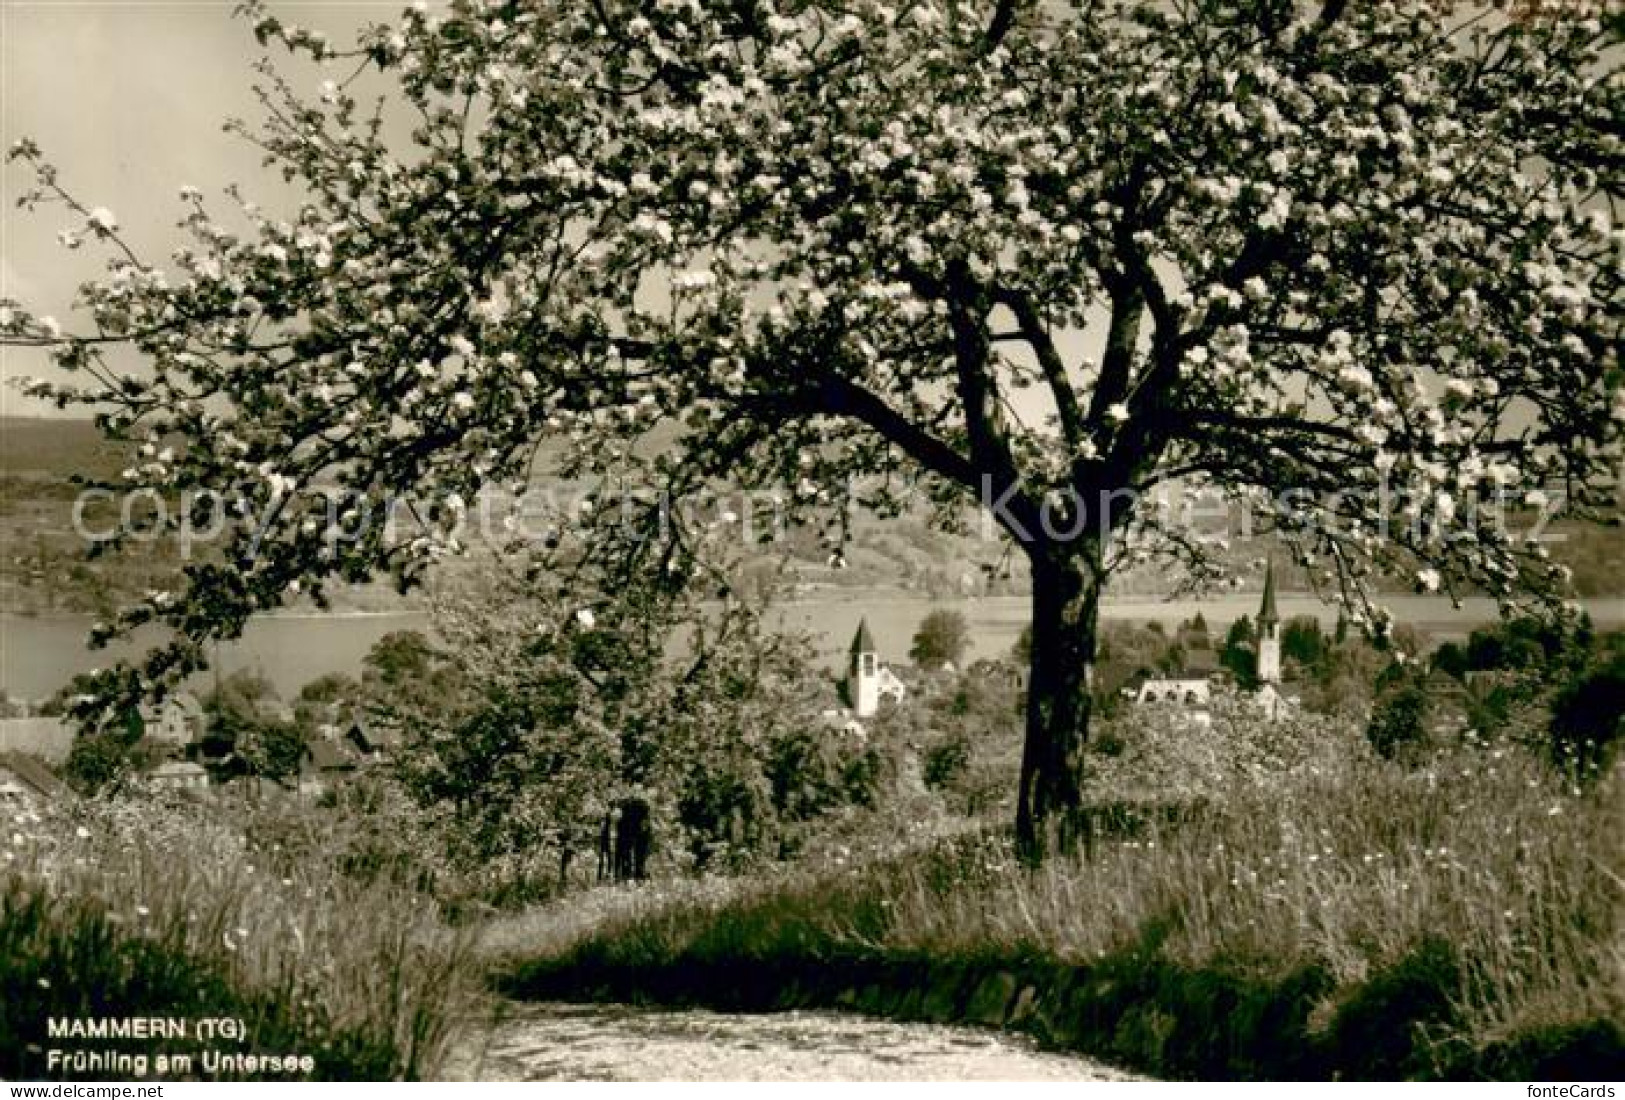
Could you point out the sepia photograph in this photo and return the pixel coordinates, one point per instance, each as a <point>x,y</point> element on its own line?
<point>810,541</point>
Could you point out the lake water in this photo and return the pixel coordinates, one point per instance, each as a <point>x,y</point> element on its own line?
<point>37,655</point>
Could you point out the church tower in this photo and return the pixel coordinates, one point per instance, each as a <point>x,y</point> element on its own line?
<point>1269,632</point>
<point>863,673</point>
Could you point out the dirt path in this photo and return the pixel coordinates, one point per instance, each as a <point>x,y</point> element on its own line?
<point>542,1042</point>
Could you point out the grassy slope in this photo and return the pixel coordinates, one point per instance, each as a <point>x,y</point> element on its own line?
<point>1462,922</point>
<point>142,909</point>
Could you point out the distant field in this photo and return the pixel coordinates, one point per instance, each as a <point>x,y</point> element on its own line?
<point>57,447</point>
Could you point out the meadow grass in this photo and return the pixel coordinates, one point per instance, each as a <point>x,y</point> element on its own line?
<point>140,908</point>
<point>1461,919</point>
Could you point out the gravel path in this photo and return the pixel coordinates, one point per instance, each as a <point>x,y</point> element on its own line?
<point>554,1042</point>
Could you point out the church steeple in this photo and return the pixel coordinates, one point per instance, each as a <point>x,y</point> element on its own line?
<point>1269,632</point>
<point>1267,615</point>
<point>863,641</point>
<point>863,673</point>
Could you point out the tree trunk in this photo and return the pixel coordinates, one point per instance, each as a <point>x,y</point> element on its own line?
<point>634,837</point>
<point>1066,610</point>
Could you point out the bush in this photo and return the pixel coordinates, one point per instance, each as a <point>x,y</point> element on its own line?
<point>946,761</point>
<point>1398,723</point>
<point>1588,721</point>
<point>1380,1032</point>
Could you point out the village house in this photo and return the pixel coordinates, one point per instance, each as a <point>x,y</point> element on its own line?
<point>174,722</point>
<point>1191,687</point>
<point>177,775</point>
<point>322,766</point>
<point>365,738</point>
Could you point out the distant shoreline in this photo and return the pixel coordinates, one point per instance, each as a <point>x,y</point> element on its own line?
<point>840,595</point>
<point>76,616</point>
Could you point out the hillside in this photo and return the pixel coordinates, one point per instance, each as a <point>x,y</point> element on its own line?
<point>43,568</point>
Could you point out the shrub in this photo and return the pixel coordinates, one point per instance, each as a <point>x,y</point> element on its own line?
<point>1398,723</point>
<point>1588,721</point>
<point>946,761</point>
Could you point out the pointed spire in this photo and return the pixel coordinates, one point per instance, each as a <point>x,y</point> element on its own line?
<point>1267,615</point>
<point>863,641</point>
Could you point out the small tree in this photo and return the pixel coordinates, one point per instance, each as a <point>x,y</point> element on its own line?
<point>330,697</point>
<point>270,749</point>
<point>100,759</point>
<point>940,640</point>
<point>1303,642</point>
<point>1451,659</point>
<point>1398,726</point>
<point>1240,654</point>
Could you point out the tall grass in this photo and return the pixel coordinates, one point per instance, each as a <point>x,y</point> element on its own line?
<point>141,908</point>
<point>1477,901</point>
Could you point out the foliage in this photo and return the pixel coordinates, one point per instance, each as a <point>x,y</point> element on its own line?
<point>1128,652</point>
<point>330,697</point>
<point>1588,718</point>
<point>100,759</point>
<point>1240,652</point>
<point>1302,641</point>
<point>1159,754</point>
<point>800,247</point>
<point>970,738</point>
<point>553,708</point>
<point>1398,726</point>
<point>247,736</point>
<point>1342,684</point>
<point>940,640</point>
<point>61,702</point>
<point>1516,645</point>
<point>1451,659</point>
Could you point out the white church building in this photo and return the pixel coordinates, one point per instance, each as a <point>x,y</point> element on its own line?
<point>1268,697</point>
<point>867,680</point>
<point>1191,689</point>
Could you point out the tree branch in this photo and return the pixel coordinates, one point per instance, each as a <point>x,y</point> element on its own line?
<point>1004,17</point>
<point>1037,337</point>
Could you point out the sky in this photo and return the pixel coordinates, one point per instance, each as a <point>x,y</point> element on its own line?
<point>127,98</point>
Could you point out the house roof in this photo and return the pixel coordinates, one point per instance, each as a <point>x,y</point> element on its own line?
<point>1199,662</point>
<point>1443,688</point>
<point>170,768</point>
<point>32,774</point>
<point>1176,679</point>
<point>326,756</point>
<point>863,641</point>
<point>368,736</point>
<point>50,739</point>
<point>1266,611</point>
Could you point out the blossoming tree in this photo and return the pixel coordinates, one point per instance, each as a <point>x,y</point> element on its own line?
<point>1365,252</point>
